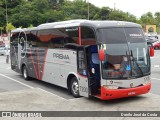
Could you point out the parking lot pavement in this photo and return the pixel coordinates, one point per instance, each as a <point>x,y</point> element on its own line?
<point>36,99</point>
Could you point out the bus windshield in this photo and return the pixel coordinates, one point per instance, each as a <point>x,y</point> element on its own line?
<point>126,53</point>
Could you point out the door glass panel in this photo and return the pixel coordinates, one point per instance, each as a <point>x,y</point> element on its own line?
<point>81,63</point>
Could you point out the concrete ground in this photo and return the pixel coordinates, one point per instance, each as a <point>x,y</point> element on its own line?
<point>39,100</point>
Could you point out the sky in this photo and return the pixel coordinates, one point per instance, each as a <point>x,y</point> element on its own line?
<point>135,7</point>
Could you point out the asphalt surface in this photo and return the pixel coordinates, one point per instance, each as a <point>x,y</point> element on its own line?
<point>155,73</point>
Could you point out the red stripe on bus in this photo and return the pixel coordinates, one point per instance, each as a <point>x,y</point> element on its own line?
<point>38,64</point>
<point>33,64</point>
<point>79,36</point>
<point>44,63</point>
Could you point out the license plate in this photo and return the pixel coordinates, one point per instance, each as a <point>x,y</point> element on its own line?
<point>131,93</point>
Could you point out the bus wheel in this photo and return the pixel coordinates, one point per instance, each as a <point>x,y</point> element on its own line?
<point>74,87</point>
<point>25,73</point>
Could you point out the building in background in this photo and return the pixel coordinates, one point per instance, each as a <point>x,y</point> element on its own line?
<point>4,39</point>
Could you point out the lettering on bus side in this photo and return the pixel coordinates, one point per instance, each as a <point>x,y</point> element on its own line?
<point>60,56</point>
<point>83,89</point>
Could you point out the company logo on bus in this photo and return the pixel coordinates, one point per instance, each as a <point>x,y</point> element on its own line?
<point>131,85</point>
<point>135,35</point>
<point>60,56</point>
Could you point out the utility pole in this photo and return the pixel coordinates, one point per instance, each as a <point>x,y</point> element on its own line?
<point>88,9</point>
<point>6,18</point>
<point>6,13</point>
<point>1,32</point>
<point>114,6</point>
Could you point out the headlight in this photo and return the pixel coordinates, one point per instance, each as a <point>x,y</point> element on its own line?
<point>147,81</point>
<point>110,86</point>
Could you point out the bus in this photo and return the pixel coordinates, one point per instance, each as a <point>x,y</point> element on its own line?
<point>103,59</point>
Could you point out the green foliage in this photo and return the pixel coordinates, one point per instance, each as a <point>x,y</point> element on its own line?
<point>9,27</point>
<point>148,19</point>
<point>29,13</point>
<point>1,28</point>
<point>31,26</point>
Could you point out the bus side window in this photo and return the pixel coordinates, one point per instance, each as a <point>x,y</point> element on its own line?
<point>32,39</point>
<point>88,36</point>
<point>71,35</point>
<point>44,36</point>
<point>57,42</point>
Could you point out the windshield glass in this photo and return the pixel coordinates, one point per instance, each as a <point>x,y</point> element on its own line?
<point>126,53</point>
<point>138,51</point>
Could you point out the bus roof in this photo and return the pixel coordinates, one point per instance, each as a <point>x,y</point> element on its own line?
<point>24,29</point>
<point>92,23</point>
<point>82,22</point>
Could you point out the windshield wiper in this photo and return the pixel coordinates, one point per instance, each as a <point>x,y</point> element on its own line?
<point>125,65</point>
<point>133,59</point>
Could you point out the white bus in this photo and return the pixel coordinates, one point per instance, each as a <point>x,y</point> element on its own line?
<point>104,59</point>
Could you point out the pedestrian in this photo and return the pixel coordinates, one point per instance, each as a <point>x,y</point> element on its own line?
<point>7,55</point>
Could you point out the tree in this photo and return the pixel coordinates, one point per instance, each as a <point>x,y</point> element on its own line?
<point>157,18</point>
<point>148,18</point>
<point>26,12</point>
<point>1,28</point>
<point>9,27</point>
<point>31,26</point>
<point>104,13</point>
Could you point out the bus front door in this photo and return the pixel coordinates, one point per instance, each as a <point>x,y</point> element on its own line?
<point>83,72</point>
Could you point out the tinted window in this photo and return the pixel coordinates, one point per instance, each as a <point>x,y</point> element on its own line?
<point>120,35</point>
<point>14,36</point>
<point>134,35</point>
<point>44,36</point>
<point>57,42</point>
<point>57,37</point>
<point>81,63</point>
<point>71,35</point>
<point>88,36</point>
<point>22,40</point>
<point>32,39</point>
<point>112,35</point>
<point>14,39</point>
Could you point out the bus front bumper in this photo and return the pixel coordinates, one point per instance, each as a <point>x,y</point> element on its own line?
<point>107,94</point>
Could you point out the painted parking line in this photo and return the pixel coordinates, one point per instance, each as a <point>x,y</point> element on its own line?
<point>52,94</point>
<point>17,81</point>
<point>155,79</point>
<point>31,86</point>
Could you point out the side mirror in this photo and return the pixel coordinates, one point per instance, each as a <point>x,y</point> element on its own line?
<point>151,51</point>
<point>101,55</point>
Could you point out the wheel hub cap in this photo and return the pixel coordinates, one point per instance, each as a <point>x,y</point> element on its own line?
<point>75,87</point>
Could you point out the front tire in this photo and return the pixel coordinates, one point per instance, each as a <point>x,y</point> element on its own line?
<point>25,73</point>
<point>74,87</point>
